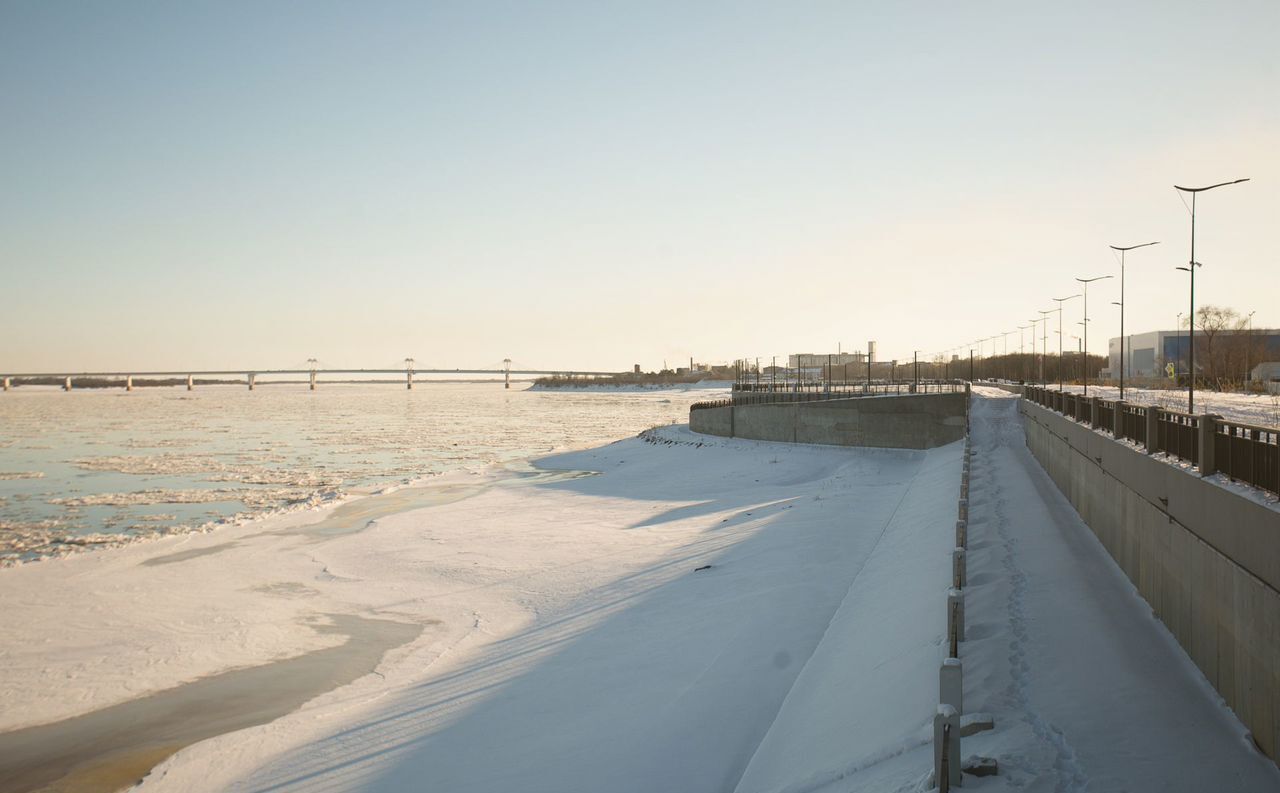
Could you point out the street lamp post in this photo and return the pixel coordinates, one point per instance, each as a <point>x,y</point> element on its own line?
<point>1191,336</point>
<point>1123,360</point>
<point>1248,342</point>
<point>1060,301</point>
<point>1044,347</point>
<point>1178,358</point>
<point>1083,365</point>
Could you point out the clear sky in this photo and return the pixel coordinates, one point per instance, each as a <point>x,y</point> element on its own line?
<point>595,184</point>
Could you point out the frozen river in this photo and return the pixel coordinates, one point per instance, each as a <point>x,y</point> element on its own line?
<point>106,466</point>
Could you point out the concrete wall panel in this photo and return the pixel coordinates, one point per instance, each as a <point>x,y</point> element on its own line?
<point>1206,558</point>
<point>908,421</point>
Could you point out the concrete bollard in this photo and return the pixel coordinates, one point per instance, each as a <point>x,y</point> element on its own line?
<point>191,382</point>
<point>1153,429</point>
<point>251,378</point>
<point>955,618</point>
<point>6,384</point>
<point>962,534</point>
<point>1208,429</point>
<point>951,684</point>
<point>946,748</point>
<point>128,382</point>
<point>959,577</point>
<point>964,509</point>
<point>66,385</point>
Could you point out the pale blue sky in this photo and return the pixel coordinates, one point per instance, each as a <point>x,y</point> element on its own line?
<point>594,184</point>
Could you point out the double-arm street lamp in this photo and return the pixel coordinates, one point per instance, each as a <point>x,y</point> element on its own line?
<point>1060,301</point>
<point>1083,364</point>
<point>1123,360</point>
<point>1191,384</point>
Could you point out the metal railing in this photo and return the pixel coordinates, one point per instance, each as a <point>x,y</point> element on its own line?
<point>747,394</point>
<point>1247,453</point>
<point>1243,452</point>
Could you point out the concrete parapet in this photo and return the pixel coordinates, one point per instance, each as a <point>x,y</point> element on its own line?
<point>909,421</point>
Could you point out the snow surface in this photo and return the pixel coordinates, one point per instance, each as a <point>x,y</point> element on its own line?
<point>570,642</point>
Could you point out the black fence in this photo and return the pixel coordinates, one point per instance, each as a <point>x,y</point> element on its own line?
<point>751,394</point>
<point>1243,452</point>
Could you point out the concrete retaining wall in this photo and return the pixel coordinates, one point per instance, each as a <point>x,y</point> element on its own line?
<point>910,421</point>
<point>1207,559</point>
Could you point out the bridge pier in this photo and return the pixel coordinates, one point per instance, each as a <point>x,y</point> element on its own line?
<point>66,384</point>
<point>251,377</point>
<point>191,384</point>
<point>128,382</point>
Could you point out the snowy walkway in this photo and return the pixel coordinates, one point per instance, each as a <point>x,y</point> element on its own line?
<point>1088,689</point>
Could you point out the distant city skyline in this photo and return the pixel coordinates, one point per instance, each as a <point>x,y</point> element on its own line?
<point>594,185</point>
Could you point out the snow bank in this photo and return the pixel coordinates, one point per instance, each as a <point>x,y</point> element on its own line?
<point>870,689</point>
<point>577,644</point>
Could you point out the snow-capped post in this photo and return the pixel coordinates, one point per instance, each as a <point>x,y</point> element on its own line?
<point>951,684</point>
<point>962,533</point>
<point>6,384</point>
<point>946,748</point>
<point>1153,429</point>
<point>191,382</point>
<point>955,621</point>
<point>128,382</point>
<point>66,384</point>
<point>959,577</point>
<point>1208,429</point>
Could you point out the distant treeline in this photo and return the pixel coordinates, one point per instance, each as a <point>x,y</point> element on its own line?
<point>666,377</point>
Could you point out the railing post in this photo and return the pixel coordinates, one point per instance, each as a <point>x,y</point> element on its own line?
<point>1153,429</point>
<point>191,382</point>
<point>946,748</point>
<point>1095,407</point>
<point>1208,430</point>
<point>959,576</point>
<point>66,384</point>
<point>1117,419</point>
<point>6,384</point>
<point>128,382</point>
<point>955,621</point>
<point>251,377</point>
<point>951,684</point>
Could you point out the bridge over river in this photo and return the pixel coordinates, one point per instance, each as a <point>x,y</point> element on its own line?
<point>250,376</point>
